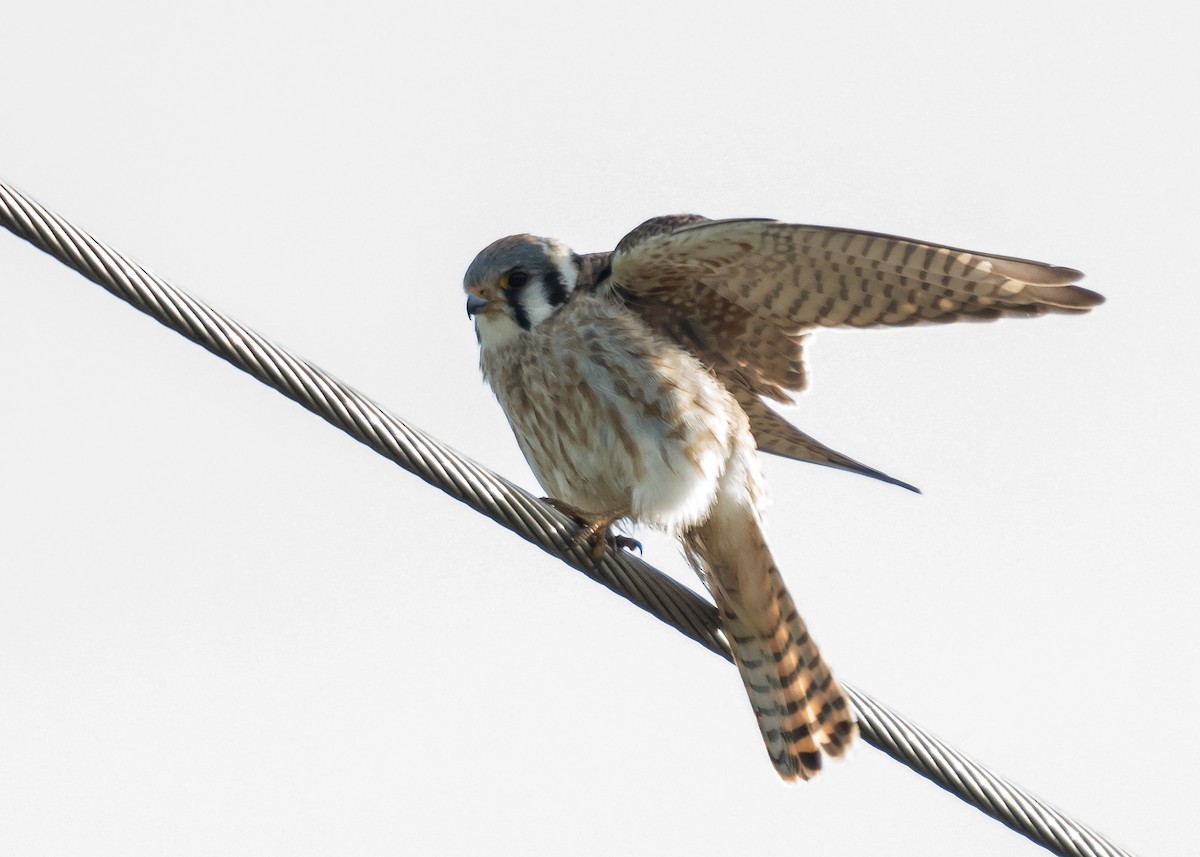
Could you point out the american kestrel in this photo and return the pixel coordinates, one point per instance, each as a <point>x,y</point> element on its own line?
<point>633,381</point>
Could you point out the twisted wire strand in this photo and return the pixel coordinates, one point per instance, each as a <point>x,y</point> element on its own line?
<point>516,509</point>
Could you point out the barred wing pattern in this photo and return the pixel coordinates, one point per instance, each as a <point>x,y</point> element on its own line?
<point>750,289</point>
<point>618,421</point>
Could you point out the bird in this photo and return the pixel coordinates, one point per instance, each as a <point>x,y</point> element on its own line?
<point>635,383</point>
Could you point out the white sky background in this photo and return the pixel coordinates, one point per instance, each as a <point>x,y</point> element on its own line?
<point>226,628</point>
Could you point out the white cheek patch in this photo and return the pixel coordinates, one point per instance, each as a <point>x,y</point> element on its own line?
<point>549,292</point>
<point>568,272</point>
<point>495,329</point>
<point>534,303</point>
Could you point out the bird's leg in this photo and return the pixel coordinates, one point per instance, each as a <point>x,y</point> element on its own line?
<point>594,528</point>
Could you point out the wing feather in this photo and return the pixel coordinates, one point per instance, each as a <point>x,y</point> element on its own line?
<point>818,276</point>
<point>742,294</point>
<point>773,434</point>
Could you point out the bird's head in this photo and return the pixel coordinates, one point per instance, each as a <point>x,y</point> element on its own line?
<point>517,283</point>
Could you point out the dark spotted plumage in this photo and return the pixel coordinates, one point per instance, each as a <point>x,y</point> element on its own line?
<point>742,295</point>
<point>634,383</point>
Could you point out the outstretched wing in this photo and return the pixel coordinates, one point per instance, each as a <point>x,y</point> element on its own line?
<point>742,294</point>
<point>751,288</point>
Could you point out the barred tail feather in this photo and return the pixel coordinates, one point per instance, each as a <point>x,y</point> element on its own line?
<point>802,711</point>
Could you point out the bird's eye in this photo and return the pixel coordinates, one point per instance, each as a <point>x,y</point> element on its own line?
<point>514,280</point>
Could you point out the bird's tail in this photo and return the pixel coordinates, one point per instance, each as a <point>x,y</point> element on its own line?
<point>802,711</point>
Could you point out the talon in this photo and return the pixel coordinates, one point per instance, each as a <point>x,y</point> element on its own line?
<point>599,546</point>
<point>626,543</point>
<point>560,506</point>
<point>594,529</point>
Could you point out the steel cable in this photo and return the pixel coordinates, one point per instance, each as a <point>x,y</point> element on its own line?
<point>516,509</point>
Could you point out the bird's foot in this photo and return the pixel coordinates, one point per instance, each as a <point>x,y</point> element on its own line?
<point>594,528</point>
<point>627,543</point>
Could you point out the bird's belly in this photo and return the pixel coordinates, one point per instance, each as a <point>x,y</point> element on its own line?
<point>645,438</point>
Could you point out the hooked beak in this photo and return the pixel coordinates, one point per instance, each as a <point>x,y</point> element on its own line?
<point>475,304</point>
